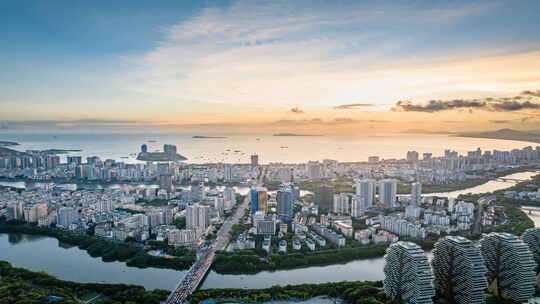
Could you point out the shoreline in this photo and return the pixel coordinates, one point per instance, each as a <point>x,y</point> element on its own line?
<point>108,251</point>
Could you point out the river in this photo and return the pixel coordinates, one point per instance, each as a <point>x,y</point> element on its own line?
<point>71,263</point>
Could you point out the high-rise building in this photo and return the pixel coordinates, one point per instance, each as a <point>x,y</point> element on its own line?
<point>254,160</point>
<point>358,206</point>
<point>165,183</point>
<point>262,197</point>
<point>228,194</point>
<point>284,200</point>
<point>324,198</point>
<point>388,192</point>
<point>67,216</point>
<point>170,149</point>
<point>412,156</point>
<point>511,267</point>
<point>341,203</point>
<point>77,160</point>
<point>532,238</point>
<point>416,193</point>
<point>313,169</point>
<point>460,271</point>
<point>52,161</point>
<point>373,159</point>
<point>253,200</point>
<point>197,217</point>
<point>365,189</point>
<point>197,192</point>
<point>227,172</point>
<point>15,211</point>
<point>408,275</point>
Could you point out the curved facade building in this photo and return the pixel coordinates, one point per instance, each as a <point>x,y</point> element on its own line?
<point>459,270</point>
<point>511,266</point>
<point>408,275</point>
<point>532,238</point>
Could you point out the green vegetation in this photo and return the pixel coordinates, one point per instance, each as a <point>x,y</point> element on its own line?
<point>251,261</point>
<point>130,211</point>
<point>97,247</point>
<point>21,286</point>
<point>180,222</point>
<point>351,292</point>
<point>158,202</point>
<point>516,223</point>
<point>338,185</point>
<point>345,185</point>
<point>236,230</point>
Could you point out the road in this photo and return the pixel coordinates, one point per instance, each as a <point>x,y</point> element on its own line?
<point>222,238</point>
<point>205,258</point>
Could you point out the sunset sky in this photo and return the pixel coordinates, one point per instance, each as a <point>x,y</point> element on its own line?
<point>249,66</point>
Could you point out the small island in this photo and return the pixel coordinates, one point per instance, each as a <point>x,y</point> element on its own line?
<point>505,134</point>
<point>204,137</point>
<point>61,151</point>
<point>294,134</point>
<point>168,154</point>
<point>8,143</point>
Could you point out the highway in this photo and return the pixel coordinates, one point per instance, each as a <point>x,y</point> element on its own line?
<point>205,258</point>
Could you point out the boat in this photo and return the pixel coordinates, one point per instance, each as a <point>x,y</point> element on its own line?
<point>283,147</point>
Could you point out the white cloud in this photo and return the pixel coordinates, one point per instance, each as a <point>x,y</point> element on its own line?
<point>285,53</point>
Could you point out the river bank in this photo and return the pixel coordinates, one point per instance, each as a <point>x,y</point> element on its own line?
<point>109,251</point>
<point>72,263</point>
<point>19,285</point>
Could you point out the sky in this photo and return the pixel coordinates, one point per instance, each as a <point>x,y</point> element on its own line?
<point>248,66</point>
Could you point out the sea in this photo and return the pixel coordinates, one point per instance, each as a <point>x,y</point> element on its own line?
<point>237,148</point>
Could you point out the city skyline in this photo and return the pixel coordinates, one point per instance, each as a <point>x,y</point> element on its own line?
<point>334,67</point>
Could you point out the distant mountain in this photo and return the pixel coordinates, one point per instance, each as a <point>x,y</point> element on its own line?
<point>202,137</point>
<point>506,134</point>
<point>293,134</point>
<point>422,131</point>
<point>8,143</point>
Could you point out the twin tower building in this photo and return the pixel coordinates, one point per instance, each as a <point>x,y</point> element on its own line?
<point>463,273</point>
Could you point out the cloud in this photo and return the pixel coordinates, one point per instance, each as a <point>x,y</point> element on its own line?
<point>513,106</point>
<point>437,105</point>
<point>297,110</point>
<point>319,121</point>
<point>339,121</point>
<point>531,93</point>
<point>297,122</point>
<point>493,104</point>
<point>354,106</point>
<point>500,121</point>
<point>287,52</point>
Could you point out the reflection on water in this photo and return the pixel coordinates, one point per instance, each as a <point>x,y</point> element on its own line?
<point>16,238</point>
<point>73,264</point>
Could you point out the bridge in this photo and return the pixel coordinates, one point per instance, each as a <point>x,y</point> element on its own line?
<point>193,278</point>
<point>506,179</point>
<point>205,258</point>
<point>530,209</point>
